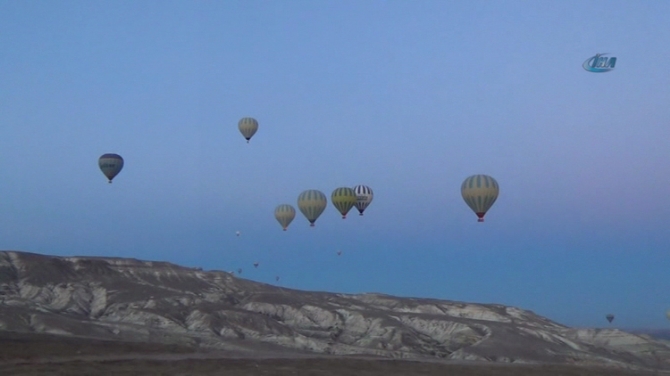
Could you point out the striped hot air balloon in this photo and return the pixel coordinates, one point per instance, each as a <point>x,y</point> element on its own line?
<point>343,198</point>
<point>248,127</point>
<point>110,164</point>
<point>364,197</point>
<point>312,203</point>
<point>480,192</point>
<point>284,214</point>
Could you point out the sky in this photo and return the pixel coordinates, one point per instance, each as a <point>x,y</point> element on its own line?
<point>406,97</point>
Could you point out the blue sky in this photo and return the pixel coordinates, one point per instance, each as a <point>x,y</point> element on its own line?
<point>409,98</point>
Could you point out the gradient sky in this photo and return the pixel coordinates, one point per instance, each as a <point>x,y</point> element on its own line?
<point>407,97</point>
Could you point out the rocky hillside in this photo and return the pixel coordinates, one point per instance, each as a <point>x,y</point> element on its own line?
<point>133,300</point>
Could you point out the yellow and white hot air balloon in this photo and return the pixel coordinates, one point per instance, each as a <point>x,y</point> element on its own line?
<point>284,214</point>
<point>248,127</point>
<point>312,203</point>
<point>343,198</point>
<point>480,192</point>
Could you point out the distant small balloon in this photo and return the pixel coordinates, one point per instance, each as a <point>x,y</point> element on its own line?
<point>237,233</point>
<point>277,278</point>
<point>339,253</point>
<point>255,264</point>
<point>610,317</point>
<point>312,203</point>
<point>110,164</point>
<point>239,271</point>
<point>248,127</point>
<point>364,197</point>
<point>480,192</point>
<point>343,198</point>
<point>284,214</point>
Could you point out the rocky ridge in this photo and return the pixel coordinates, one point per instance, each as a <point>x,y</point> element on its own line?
<point>132,300</point>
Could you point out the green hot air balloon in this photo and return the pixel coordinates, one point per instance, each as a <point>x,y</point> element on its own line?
<point>312,203</point>
<point>248,127</point>
<point>343,198</point>
<point>480,192</point>
<point>284,214</point>
<point>110,164</point>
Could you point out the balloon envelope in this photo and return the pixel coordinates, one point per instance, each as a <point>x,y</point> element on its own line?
<point>248,127</point>
<point>364,197</point>
<point>343,198</point>
<point>110,164</point>
<point>610,317</point>
<point>284,214</point>
<point>480,192</point>
<point>312,203</point>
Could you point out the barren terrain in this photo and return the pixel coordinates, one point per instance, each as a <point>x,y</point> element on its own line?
<point>111,316</point>
<point>43,354</point>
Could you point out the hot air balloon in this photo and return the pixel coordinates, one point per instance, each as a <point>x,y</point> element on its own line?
<point>339,253</point>
<point>237,233</point>
<point>239,271</point>
<point>610,317</point>
<point>277,278</point>
<point>284,214</point>
<point>312,203</point>
<point>248,127</point>
<point>110,164</point>
<point>480,192</point>
<point>255,264</point>
<point>343,199</point>
<point>667,314</point>
<point>363,197</point>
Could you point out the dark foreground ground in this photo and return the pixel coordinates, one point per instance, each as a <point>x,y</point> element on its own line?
<point>37,354</point>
